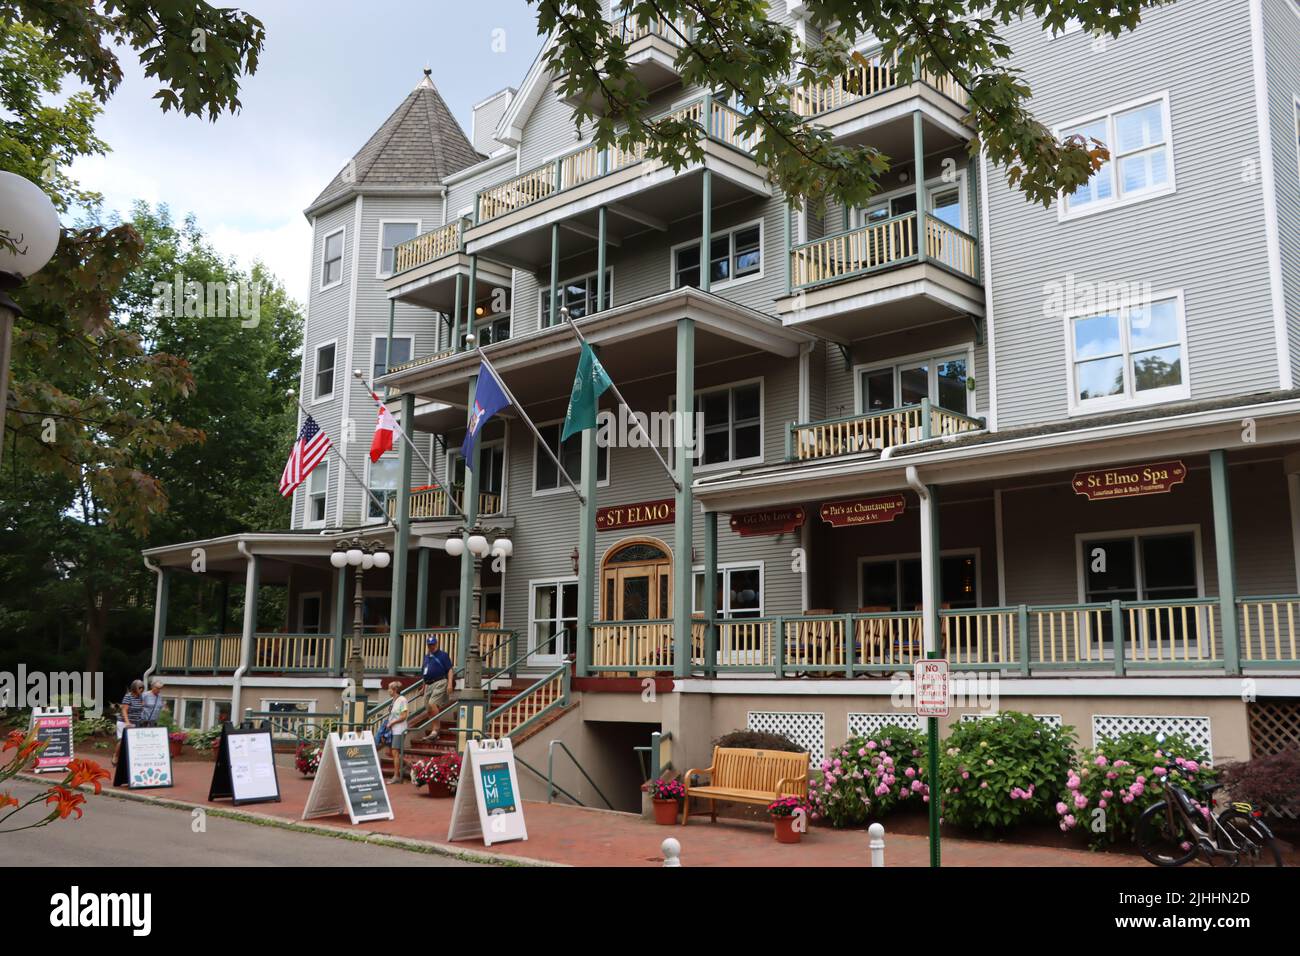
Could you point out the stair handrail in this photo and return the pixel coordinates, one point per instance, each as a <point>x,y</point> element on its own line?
<point>562,670</point>
<point>459,671</point>
<point>550,772</point>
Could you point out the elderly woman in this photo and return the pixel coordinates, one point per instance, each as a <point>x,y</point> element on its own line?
<point>398,712</point>
<point>129,714</point>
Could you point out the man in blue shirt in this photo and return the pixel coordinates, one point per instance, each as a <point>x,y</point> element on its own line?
<point>437,675</point>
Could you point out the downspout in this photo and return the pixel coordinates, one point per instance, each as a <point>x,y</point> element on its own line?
<point>157,610</point>
<point>929,562</point>
<point>245,645</point>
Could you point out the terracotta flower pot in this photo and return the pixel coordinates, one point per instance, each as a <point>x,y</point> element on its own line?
<point>177,746</point>
<point>665,812</point>
<point>439,788</point>
<point>785,831</point>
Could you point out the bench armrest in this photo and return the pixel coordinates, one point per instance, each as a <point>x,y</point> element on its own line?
<point>686,777</point>
<point>781,786</point>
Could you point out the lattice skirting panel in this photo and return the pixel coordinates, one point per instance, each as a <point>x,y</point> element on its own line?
<point>1195,730</point>
<point>864,725</point>
<point>1274,726</point>
<point>807,730</point>
<point>1051,720</point>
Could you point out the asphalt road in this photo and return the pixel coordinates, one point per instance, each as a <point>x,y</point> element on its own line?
<point>115,831</point>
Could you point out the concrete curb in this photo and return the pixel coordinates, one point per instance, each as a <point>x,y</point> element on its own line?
<point>376,837</point>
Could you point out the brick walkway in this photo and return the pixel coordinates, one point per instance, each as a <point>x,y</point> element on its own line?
<point>575,836</point>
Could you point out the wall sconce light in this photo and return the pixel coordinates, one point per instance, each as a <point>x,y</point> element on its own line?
<point>575,557</point>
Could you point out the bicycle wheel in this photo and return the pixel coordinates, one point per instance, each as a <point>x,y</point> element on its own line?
<point>1161,843</point>
<point>1267,852</point>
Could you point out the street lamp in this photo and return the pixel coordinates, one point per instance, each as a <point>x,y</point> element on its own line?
<point>28,221</point>
<point>475,539</point>
<point>361,556</point>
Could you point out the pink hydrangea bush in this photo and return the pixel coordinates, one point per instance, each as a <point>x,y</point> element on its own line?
<point>1113,783</point>
<point>869,777</point>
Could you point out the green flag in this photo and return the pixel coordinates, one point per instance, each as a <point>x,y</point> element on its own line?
<point>588,385</point>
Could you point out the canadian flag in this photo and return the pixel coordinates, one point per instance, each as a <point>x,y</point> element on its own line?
<point>383,440</point>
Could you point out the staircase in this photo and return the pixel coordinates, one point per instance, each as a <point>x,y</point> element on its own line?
<point>426,741</point>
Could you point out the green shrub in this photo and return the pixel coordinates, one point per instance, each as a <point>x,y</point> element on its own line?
<point>93,727</point>
<point>1113,783</point>
<point>999,771</point>
<point>868,777</point>
<point>1269,780</point>
<point>758,740</point>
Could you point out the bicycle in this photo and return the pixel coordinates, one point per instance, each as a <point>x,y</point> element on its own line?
<point>1176,830</point>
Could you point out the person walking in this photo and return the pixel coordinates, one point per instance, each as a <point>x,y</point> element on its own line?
<point>151,712</point>
<point>436,672</point>
<point>398,712</point>
<point>130,713</point>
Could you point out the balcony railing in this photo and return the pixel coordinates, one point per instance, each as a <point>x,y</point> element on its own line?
<point>428,247</point>
<point>423,360</point>
<point>717,122</point>
<point>874,431</point>
<point>632,28</point>
<point>1270,629</point>
<point>496,646</point>
<point>862,82</point>
<point>211,653</point>
<point>886,244</point>
<point>431,502</point>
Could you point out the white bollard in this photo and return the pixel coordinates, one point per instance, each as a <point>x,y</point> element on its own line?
<point>672,851</point>
<point>877,834</point>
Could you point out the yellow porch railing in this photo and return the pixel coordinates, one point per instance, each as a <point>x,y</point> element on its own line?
<point>632,28</point>
<point>861,82</point>
<point>1270,628</point>
<point>881,245</point>
<point>428,247</point>
<point>875,431</point>
<point>814,643</point>
<point>746,642</point>
<point>432,503</point>
<point>955,249</point>
<point>632,645</point>
<point>1072,634</point>
<point>422,360</point>
<point>1178,631</point>
<point>202,652</point>
<point>293,652</point>
<point>979,636</point>
<point>549,693</point>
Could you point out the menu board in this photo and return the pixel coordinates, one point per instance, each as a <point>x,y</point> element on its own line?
<point>146,759</point>
<point>53,726</point>
<point>245,770</point>
<point>487,803</point>
<point>349,780</point>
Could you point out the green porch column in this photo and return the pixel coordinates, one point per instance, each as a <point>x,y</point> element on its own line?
<point>454,344</point>
<point>1225,552</point>
<point>472,297</point>
<point>555,275</point>
<point>600,260</point>
<point>162,596</point>
<point>683,527</point>
<point>918,158</point>
<point>470,505</point>
<point>388,345</point>
<point>710,590</point>
<point>587,551</point>
<point>401,540</point>
<point>422,591</point>
<point>706,231</point>
<point>340,615</point>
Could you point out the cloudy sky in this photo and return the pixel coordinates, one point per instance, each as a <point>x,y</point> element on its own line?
<point>331,73</point>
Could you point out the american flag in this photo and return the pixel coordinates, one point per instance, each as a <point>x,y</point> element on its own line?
<point>312,445</point>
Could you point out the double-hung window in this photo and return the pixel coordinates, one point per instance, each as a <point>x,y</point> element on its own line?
<point>941,378</point>
<point>554,618</point>
<point>1135,354</point>
<point>491,477</point>
<point>546,477</point>
<point>384,474</point>
<point>383,361</point>
<point>578,296</point>
<point>1141,163</point>
<point>317,485</point>
<point>331,273</point>
<point>738,591</point>
<point>732,255</point>
<point>392,235</point>
<point>324,377</point>
<point>732,422</point>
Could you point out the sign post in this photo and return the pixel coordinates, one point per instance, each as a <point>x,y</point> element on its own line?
<point>146,759</point>
<point>53,726</point>
<point>349,780</point>
<point>930,691</point>
<point>488,803</point>
<point>245,770</point>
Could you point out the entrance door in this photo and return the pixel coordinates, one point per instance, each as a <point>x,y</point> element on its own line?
<point>637,583</point>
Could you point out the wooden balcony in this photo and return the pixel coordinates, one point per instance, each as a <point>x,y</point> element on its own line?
<point>429,503</point>
<point>201,653</point>
<point>874,431</point>
<point>428,269</point>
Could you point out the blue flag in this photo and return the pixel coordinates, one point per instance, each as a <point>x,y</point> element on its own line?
<point>489,398</point>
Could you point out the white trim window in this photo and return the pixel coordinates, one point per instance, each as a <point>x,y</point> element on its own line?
<point>943,378</point>
<point>578,295</point>
<point>318,483</point>
<point>392,235</point>
<point>552,608</point>
<point>1141,164</point>
<point>1133,355</point>
<point>323,371</point>
<point>382,476</point>
<point>739,590</point>
<point>403,346</point>
<point>547,479</point>
<point>331,267</point>
<point>733,424</point>
<point>492,469</point>
<point>734,254</point>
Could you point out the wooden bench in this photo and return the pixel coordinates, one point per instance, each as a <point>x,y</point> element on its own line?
<point>748,776</point>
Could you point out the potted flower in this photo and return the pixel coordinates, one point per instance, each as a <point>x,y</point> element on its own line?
<point>440,774</point>
<point>664,794</point>
<point>176,740</point>
<point>306,759</point>
<point>784,813</point>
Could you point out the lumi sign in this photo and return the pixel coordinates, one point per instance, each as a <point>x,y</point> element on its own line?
<point>1155,478</point>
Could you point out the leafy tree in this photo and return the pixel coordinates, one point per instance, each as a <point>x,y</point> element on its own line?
<point>734,46</point>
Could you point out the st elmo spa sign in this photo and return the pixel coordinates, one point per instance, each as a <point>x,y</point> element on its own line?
<point>1132,481</point>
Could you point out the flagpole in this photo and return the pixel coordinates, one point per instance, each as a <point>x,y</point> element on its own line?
<point>383,509</point>
<point>529,422</point>
<point>418,454</point>
<point>622,401</point>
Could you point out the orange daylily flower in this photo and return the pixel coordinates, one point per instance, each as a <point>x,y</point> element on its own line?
<point>15,739</point>
<point>8,800</point>
<point>86,771</point>
<point>68,802</point>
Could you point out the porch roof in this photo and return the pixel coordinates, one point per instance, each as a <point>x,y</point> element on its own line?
<point>1175,429</point>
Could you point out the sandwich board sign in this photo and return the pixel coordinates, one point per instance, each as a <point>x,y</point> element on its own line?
<point>930,685</point>
<point>349,780</point>
<point>53,726</point>
<point>146,759</point>
<point>245,771</point>
<point>488,803</point>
